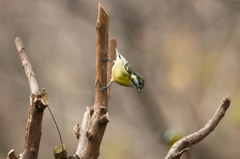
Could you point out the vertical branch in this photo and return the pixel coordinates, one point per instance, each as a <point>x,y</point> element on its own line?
<point>99,115</point>
<point>111,55</point>
<point>37,106</point>
<point>95,120</point>
<point>102,50</point>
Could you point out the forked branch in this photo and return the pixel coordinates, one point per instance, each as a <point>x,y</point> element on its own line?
<point>38,102</point>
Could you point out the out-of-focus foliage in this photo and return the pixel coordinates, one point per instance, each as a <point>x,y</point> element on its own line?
<point>169,137</point>
<point>187,51</point>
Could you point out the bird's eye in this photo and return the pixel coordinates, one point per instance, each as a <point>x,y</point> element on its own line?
<point>139,83</point>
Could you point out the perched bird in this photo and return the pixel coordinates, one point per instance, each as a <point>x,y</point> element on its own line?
<point>123,74</point>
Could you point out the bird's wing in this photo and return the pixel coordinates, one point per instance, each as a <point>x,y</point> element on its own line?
<point>127,67</point>
<point>120,57</point>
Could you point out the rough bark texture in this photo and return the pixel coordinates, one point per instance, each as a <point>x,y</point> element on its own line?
<point>102,52</point>
<point>38,102</point>
<point>33,128</point>
<point>185,143</point>
<point>98,113</point>
<point>27,67</point>
<point>82,133</point>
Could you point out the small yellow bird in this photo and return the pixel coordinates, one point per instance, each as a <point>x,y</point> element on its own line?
<point>123,74</point>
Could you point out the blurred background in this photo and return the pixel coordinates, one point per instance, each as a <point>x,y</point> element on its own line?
<point>186,50</point>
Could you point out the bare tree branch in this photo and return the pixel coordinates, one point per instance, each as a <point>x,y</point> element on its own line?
<point>99,117</point>
<point>38,102</point>
<point>27,67</point>
<point>185,143</point>
<point>95,119</point>
<point>102,52</point>
<point>112,45</point>
<point>82,132</point>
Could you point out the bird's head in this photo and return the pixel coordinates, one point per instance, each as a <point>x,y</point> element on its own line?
<point>137,81</point>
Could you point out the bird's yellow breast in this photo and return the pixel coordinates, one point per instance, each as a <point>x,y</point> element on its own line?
<point>120,75</point>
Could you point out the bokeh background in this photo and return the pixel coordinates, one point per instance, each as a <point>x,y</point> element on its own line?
<point>187,51</point>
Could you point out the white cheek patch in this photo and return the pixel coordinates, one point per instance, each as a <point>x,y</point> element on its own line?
<point>134,81</point>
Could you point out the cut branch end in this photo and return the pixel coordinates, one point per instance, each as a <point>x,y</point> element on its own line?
<point>11,154</point>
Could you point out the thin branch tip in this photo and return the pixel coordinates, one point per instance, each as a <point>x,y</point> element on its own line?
<point>19,44</point>
<point>17,39</point>
<point>101,7</point>
<point>186,142</point>
<point>226,100</point>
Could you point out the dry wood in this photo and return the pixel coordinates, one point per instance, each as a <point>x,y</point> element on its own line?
<point>11,155</point>
<point>38,102</point>
<point>95,119</point>
<point>97,129</point>
<point>82,133</point>
<point>102,52</point>
<point>27,67</point>
<point>112,45</point>
<point>185,143</point>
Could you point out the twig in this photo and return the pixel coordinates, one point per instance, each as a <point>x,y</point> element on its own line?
<point>37,106</point>
<point>27,67</point>
<point>55,122</point>
<point>185,143</point>
<point>46,101</point>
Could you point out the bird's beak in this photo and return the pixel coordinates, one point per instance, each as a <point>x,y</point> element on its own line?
<point>139,90</point>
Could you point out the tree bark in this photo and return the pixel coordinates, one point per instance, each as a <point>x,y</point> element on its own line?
<point>38,102</point>
<point>112,45</point>
<point>95,119</point>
